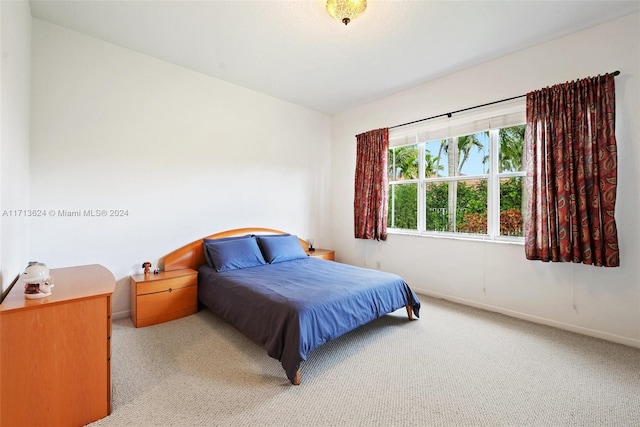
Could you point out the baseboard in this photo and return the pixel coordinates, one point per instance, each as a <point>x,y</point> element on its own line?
<point>121,315</point>
<point>541,320</point>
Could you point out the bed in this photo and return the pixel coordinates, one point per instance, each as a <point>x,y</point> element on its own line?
<point>262,281</point>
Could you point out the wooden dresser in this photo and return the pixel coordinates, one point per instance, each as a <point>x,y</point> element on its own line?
<point>55,355</point>
<point>169,295</point>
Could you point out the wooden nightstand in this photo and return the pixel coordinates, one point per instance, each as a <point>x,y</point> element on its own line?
<point>327,254</point>
<point>169,295</point>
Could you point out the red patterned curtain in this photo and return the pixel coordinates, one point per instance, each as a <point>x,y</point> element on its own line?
<point>371,189</point>
<point>572,173</point>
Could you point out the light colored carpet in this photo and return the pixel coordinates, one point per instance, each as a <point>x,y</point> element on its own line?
<point>455,366</point>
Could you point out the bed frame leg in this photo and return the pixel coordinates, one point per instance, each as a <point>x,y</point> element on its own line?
<point>297,380</point>
<point>409,312</point>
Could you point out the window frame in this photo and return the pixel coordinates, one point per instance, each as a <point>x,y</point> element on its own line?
<point>493,178</point>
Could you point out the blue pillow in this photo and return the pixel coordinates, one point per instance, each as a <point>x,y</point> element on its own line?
<point>205,241</point>
<point>280,248</point>
<point>233,254</point>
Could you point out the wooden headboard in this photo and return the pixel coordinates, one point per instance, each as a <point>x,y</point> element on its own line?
<point>192,254</point>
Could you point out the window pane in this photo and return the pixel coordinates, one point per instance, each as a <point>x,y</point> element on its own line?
<point>512,206</point>
<point>403,206</point>
<point>511,150</point>
<point>457,206</point>
<point>435,159</point>
<point>403,163</point>
<point>391,164</point>
<point>473,154</point>
<point>437,206</point>
<point>463,155</point>
<point>471,215</point>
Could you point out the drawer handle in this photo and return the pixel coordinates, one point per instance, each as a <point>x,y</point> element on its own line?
<point>170,289</point>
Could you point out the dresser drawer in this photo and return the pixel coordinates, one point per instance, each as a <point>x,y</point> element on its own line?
<point>166,284</point>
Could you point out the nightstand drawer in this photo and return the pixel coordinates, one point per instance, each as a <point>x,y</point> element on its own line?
<point>166,284</point>
<point>163,306</point>
<point>326,254</point>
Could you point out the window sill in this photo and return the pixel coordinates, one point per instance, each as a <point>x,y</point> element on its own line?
<point>464,237</point>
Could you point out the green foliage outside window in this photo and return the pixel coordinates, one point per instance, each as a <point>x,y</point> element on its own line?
<point>512,206</point>
<point>511,221</point>
<point>471,199</point>
<point>405,213</point>
<point>471,214</point>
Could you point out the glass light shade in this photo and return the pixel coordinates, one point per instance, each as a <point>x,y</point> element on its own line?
<point>346,10</point>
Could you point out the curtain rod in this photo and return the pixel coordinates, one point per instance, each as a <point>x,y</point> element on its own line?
<point>615,73</point>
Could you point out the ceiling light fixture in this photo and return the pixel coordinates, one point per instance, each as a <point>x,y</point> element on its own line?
<point>346,10</point>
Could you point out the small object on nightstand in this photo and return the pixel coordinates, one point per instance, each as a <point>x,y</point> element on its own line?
<point>310,242</point>
<point>156,271</point>
<point>147,267</point>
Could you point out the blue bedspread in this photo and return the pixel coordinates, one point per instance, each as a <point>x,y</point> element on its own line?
<point>293,307</point>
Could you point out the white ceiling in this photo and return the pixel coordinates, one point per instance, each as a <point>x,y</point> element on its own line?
<point>294,50</point>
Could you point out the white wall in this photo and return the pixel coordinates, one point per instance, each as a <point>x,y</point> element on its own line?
<point>185,154</point>
<point>14,137</point>
<point>497,276</point>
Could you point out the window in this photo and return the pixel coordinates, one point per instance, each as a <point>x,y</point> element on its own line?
<point>462,177</point>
